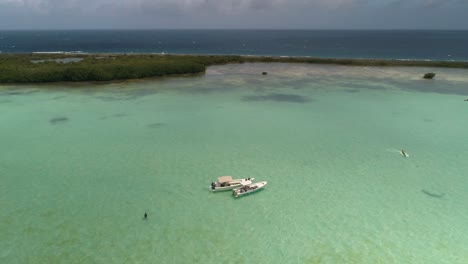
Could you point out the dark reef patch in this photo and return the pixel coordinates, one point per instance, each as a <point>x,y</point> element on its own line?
<point>277,97</point>
<point>5,101</point>
<point>434,195</point>
<point>119,115</point>
<point>156,125</point>
<point>428,120</point>
<point>8,93</point>
<point>58,120</point>
<point>115,98</point>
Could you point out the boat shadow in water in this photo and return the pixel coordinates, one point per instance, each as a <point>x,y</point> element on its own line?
<point>156,125</point>
<point>58,120</point>
<point>434,195</point>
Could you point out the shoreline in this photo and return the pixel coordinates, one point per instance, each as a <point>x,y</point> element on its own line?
<point>78,53</point>
<point>105,67</point>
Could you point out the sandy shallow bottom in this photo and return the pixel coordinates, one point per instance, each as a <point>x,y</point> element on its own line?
<point>80,166</point>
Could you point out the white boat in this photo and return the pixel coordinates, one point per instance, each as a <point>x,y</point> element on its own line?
<point>227,183</point>
<point>249,188</point>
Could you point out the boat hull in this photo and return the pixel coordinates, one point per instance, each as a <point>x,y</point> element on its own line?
<point>233,184</point>
<point>227,188</point>
<point>238,192</point>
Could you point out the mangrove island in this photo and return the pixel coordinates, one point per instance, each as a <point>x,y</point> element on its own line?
<point>63,67</point>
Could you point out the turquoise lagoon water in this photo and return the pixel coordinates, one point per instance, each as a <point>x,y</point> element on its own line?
<point>81,164</point>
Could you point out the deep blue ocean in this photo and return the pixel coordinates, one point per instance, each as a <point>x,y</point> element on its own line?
<point>385,44</point>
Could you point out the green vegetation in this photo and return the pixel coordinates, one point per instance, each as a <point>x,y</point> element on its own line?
<point>429,75</point>
<point>19,68</point>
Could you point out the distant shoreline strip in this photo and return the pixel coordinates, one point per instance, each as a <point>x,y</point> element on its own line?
<point>79,52</point>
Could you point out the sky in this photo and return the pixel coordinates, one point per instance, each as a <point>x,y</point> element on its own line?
<point>233,14</point>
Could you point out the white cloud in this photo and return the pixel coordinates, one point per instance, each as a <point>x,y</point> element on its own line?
<point>220,6</point>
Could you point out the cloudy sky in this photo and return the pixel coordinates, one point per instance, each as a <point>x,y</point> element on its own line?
<point>301,14</point>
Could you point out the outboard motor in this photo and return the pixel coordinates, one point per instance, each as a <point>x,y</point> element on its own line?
<point>213,185</point>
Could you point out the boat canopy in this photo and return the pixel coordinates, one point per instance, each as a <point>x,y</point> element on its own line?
<point>225,179</point>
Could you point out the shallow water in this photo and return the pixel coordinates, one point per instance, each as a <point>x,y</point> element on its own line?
<point>80,166</point>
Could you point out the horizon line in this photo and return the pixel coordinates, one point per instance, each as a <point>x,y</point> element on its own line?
<point>228,29</point>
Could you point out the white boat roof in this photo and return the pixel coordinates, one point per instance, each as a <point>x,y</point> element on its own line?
<point>225,179</point>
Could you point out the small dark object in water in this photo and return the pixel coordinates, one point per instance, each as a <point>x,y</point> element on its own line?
<point>435,195</point>
<point>156,125</point>
<point>57,120</point>
<point>264,73</point>
<point>466,100</point>
<point>146,216</point>
<point>403,152</point>
<point>429,75</point>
